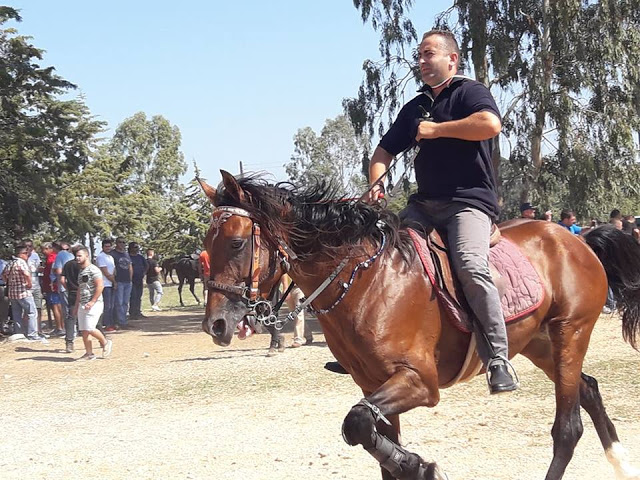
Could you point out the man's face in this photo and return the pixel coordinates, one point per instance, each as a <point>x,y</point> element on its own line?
<point>436,63</point>
<point>82,258</point>
<point>529,213</point>
<point>570,220</point>
<point>106,247</point>
<point>120,243</point>
<point>150,253</point>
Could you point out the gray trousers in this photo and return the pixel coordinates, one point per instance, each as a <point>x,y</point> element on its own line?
<point>468,230</point>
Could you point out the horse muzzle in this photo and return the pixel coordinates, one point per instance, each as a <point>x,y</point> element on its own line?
<point>222,328</point>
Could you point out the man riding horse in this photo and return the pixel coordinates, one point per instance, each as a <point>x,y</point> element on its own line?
<point>453,121</point>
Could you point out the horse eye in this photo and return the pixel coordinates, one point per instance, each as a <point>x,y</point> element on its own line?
<point>237,243</point>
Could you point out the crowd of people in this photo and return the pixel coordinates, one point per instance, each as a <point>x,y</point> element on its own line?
<point>627,223</point>
<point>75,292</point>
<point>79,294</point>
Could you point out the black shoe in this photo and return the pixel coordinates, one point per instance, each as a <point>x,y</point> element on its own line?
<point>500,380</point>
<point>335,367</point>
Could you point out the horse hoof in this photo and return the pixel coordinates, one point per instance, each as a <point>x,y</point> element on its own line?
<point>433,472</point>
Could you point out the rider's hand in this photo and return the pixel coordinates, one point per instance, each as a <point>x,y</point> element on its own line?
<point>376,193</point>
<point>427,130</point>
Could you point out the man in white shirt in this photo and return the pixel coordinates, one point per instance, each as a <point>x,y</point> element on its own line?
<point>107,266</point>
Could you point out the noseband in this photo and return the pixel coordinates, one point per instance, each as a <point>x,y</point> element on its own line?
<point>258,303</point>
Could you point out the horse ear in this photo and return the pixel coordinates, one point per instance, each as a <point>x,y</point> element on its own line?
<point>232,187</point>
<point>209,191</point>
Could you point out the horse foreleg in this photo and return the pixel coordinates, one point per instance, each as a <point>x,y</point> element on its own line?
<point>591,401</point>
<point>367,424</point>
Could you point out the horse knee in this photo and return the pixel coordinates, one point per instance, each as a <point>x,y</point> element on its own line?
<point>358,427</point>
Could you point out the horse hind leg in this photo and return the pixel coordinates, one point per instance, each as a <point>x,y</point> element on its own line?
<point>181,282</point>
<point>560,355</point>
<point>192,287</point>
<point>591,401</point>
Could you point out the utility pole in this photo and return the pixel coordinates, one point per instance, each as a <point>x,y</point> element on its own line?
<point>241,171</point>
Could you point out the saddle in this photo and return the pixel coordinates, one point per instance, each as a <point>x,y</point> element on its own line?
<point>517,282</point>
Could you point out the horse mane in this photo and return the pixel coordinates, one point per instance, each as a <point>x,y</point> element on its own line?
<point>317,219</point>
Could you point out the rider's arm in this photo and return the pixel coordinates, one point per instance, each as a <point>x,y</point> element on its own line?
<point>377,167</point>
<point>476,127</point>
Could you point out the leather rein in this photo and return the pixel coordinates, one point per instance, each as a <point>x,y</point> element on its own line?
<point>259,303</point>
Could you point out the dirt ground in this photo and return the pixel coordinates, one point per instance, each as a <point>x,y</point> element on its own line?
<point>169,404</point>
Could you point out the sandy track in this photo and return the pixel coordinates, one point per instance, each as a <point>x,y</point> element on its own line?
<point>171,405</point>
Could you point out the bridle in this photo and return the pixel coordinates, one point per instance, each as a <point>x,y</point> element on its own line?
<point>258,303</point>
<point>259,306</point>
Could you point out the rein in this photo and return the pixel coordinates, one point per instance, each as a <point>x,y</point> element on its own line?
<point>258,304</point>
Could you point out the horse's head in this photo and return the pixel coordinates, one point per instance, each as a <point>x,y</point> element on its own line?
<point>245,267</point>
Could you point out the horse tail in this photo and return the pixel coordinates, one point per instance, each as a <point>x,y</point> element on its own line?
<point>619,253</point>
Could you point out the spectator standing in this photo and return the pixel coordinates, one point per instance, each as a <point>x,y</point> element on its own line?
<point>568,221</point>
<point>527,211</point>
<point>139,266</point>
<point>123,275</point>
<point>50,287</point>
<point>105,262</point>
<point>69,279</point>
<point>4,296</point>
<point>629,226</point>
<point>89,305</point>
<point>63,256</point>
<point>153,281</point>
<point>36,268</point>
<point>615,214</point>
<point>548,216</point>
<point>18,279</point>
<point>301,332</point>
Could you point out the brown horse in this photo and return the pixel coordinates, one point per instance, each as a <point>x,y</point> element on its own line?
<point>383,322</point>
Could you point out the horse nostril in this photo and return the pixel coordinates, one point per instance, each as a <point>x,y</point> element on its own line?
<point>218,327</point>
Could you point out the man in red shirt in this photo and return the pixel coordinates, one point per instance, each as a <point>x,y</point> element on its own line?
<point>205,270</point>
<point>50,285</point>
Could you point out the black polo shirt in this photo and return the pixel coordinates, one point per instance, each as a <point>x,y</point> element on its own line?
<point>449,169</point>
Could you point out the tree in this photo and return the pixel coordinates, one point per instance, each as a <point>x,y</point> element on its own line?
<point>567,74</point>
<point>42,137</point>
<point>131,186</point>
<point>336,154</point>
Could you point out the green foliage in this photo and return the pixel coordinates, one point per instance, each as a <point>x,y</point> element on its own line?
<point>336,154</point>
<point>43,138</point>
<point>181,227</point>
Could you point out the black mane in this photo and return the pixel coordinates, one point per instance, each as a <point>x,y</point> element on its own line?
<point>316,219</point>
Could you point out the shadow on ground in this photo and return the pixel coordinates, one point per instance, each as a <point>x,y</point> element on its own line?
<point>189,320</point>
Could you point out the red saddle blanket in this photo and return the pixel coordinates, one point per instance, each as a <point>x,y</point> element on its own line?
<point>522,292</point>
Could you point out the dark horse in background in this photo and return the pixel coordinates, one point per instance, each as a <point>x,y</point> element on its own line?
<point>188,269</point>
<point>168,265</point>
<point>389,330</point>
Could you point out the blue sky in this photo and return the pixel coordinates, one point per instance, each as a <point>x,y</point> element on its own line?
<point>238,78</point>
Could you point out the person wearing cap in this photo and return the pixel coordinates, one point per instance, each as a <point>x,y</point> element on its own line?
<point>527,211</point>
